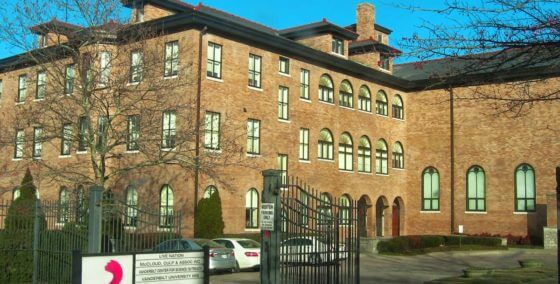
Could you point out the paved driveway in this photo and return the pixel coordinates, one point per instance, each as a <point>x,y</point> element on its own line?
<point>418,269</point>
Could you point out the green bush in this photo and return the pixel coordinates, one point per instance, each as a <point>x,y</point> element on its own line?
<point>209,223</point>
<point>419,243</point>
<point>467,240</point>
<point>16,241</point>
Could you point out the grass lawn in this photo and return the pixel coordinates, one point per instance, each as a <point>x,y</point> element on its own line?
<point>517,275</point>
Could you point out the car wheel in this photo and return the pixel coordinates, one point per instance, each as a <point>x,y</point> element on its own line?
<point>236,268</point>
<point>314,258</point>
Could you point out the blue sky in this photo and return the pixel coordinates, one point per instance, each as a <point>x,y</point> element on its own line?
<point>287,13</point>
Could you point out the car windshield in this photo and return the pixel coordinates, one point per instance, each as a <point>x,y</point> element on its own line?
<point>212,244</point>
<point>249,244</point>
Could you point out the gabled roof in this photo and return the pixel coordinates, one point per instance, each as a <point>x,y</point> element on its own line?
<point>377,27</point>
<point>55,26</point>
<point>317,28</point>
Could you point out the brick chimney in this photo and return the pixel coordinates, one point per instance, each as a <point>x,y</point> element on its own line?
<point>365,22</point>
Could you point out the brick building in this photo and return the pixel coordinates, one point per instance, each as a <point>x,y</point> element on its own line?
<point>324,103</point>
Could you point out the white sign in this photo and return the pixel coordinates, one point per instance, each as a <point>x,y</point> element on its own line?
<point>180,267</point>
<point>107,269</point>
<point>267,217</point>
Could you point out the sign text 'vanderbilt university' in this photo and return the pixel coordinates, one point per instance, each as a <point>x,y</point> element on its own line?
<point>168,268</point>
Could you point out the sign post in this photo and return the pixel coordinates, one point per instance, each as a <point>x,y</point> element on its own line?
<point>270,228</point>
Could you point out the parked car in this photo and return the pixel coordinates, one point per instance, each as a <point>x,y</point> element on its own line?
<point>310,250</point>
<point>247,252</point>
<point>221,258</point>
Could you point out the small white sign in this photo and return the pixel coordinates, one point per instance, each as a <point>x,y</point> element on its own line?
<point>180,267</point>
<point>107,269</point>
<point>267,217</point>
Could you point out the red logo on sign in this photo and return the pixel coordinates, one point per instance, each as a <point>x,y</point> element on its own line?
<point>114,268</point>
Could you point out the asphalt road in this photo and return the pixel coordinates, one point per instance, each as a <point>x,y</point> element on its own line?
<point>418,269</point>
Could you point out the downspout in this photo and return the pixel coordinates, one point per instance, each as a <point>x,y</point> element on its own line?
<point>197,123</point>
<point>452,158</point>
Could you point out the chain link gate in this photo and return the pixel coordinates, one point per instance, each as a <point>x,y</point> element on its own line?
<point>313,238</point>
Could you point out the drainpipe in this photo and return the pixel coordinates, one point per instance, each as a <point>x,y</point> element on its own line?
<point>452,160</point>
<point>197,124</point>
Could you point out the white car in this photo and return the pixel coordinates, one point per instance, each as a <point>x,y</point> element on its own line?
<point>307,249</point>
<point>247,252</point>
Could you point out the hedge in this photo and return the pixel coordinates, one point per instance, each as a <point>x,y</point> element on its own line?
<point>419,243</point>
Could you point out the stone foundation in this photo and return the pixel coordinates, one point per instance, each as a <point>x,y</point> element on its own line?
<point>550,238</point>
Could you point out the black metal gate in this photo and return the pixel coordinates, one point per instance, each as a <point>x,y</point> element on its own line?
<point>315,238</point>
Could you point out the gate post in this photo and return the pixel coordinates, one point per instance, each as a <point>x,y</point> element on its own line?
<point>270,249</point>
<point>95,217</point>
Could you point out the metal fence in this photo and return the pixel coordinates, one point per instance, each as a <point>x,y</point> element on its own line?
<point>37,238</point>
<point>315,238</point>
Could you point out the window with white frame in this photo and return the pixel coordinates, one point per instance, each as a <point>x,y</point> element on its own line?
<point>381,103</point>
<point>304,84</point>
<point>381,157</point>
<point>37,142</point>
<point>136,66</point>
<point>345,153</point>
<point>325,145</point>
<point>304,144</point>
<point>344,214</point>
<point>326,89</point>
<point>212,131</point>
<point>171,59</point>
<point>169,130</point>
<point>398,107</point>
<point>255,71</point>
<point>63,205</point>
<point>102,129</point>
<point>283,103</point>
<point>214,62</point>
<point>166,207</point>
<point>209,191</point>
<point>253,137</point>
<point>105,65</point>
<point>283,167</point>
<point>22,88</point>
<point>69,79</point>
<point>337,46</point>
<point>525,188</point>
<point>83,134</point>
<point>19,143</point>
<point>133,135</point>
<point>324,210</point>
<point>132,207</point>
<point>398,156</point>
<point>364,155</point>
<point>364,99</point>
<point>476,189</point>
<point>346,97</point>
<point>66,140</point>
<point>252,209</point>
<point>284,65</point>
<point>430,189</point>
<point>41,88</point>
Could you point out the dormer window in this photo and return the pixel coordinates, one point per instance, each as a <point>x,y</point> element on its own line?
<point>337,46</point>
<point>139,17</point>
<point>385,62</point>
<point>43,41</point>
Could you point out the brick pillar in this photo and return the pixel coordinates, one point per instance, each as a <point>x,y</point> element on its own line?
<point>365,21</point>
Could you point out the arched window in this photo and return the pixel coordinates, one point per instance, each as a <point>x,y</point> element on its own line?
<point>131,206</point>
<point>381,157</point>
<point>166,207</point>
<point>344,214</point>
<point>16,194</point>
<point>324,209</point>
<point>345,153</point>
<point>525,189</point>
<point>81,207</point>
<point>364,99</point>
<point>476,189</point>
<point>326,89</point>
<point>209,191</point>
<point>325,145</point>
<point>346,98</point>
<point>63,202</point>
<point>398,156</point>
<point>364,155</point>
<point>252,209</point>
<point>381,103</point>
<point>430,189</point>
<point>303,208</point>
<point>398,107</point>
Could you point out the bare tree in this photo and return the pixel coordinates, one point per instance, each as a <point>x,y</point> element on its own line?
<point>514,43</point>
<point>120,95</point>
